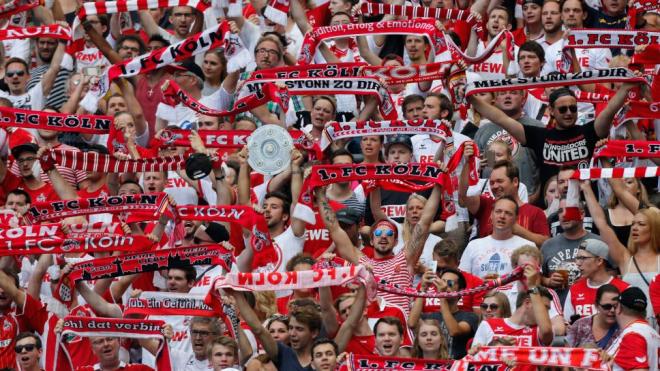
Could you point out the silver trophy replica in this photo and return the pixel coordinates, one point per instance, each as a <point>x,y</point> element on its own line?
<point>270,149</point>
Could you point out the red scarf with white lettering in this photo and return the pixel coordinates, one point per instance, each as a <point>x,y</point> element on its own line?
<point>417,27</point>
<point>168,304</point>
<point>334,131</point>
<point>12,7</point>
<point>28,119</point>
<point>586,38</point>
<point>268,93</point>
<point>413,12</point>
<point>22,245</point>
<point>54,30</point>
<point>227,139</point>
<point>582,358</point>
<point>151,261</point>
<point>636,110</point>
<point>139,206</point>
<point>628,148</point>
<point>94,161</point>
<point>114,327</point>
<point>373,362</point>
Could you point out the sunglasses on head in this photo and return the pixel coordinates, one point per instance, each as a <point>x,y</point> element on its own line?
<point>379,232</point>
<point>608,307</point>
<point>27,347</point>
<point>14,73</point>
<point>492,306</point>
<point>563,109</point>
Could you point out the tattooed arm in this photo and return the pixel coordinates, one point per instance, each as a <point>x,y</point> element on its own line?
<point>420,233</point>
<point>344,246</point>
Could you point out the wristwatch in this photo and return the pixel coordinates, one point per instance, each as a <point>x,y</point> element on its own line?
<point>534,290</point>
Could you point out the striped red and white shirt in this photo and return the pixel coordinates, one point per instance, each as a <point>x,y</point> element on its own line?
<point>73,177</point>
<point>396,271</point>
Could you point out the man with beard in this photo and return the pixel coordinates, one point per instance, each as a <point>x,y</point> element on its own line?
<point>497,65</point>
<point>46,47</point>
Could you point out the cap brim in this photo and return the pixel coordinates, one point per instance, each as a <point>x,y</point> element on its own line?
<point>24,147</point>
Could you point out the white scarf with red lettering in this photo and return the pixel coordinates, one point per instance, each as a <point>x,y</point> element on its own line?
<point>54,30</point>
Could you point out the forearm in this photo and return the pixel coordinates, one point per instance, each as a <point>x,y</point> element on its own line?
<point>245,350</point>
<point>244,185</point>
<point>100,305</point>
<point>604,120</point>
<point>525,233</point>
<point>449,319</point>
<point>415,312</point>
<point>542,319</point>
<point>63,189</point>
<point>328,313</point>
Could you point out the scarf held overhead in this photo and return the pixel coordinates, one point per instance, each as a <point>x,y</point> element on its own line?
<point>12,7</point>
<point>230,139</point>
<point>27,119</point>
<point>168,304</point>
<point>21,245</point>
<point>581,358</point>
<point>54,30</point>
<point>94,161</point>
<point>629,148</point>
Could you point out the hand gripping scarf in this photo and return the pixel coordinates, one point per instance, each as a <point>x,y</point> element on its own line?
<point>141,206</point>
<point>636,110</point>
<point>28,119</point>
<point>581,358</point>
<point>160,303</point>
<point>54,30</point>
<point>639,7</point>
<point>115,327</point>
<point>417,27</point>
<point>412,12</point>
<point>268,93</point>
<point>340,130</point>
<point>12,7</point>
<point>94,161</point>
<point>150,261</point>
<point>122,6</point>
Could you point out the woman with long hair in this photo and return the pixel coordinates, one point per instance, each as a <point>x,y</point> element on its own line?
<point>601,328</point>
<point>551,196</point>
<point>214,68</point>
<point>640,261</point>
<point>429,343</point>
<point>628,195</point>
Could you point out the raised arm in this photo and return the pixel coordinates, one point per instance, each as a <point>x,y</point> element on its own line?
<point>374,203</point>
<point>472,203</point>
<point>344,246</point>
<point>541,313</point>
<point>134,107</point>
<point>298,226</point>
<point>354,315</point>
<point>101,306</point>
<point>37,276</point>
<point>148,23</point>
<point>604,120</point>
<point>618,252</point>
<point>415,246</point>
<point>48,79</point>
<point>8,285</point>
<point>250,317</point>
<point>328,312</point>
<point>63,189</point>
<point>499,118</point>
<point>299,16</point>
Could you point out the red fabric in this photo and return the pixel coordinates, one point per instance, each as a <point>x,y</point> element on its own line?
<point>632,353</point>
<point>519,36</point>
<point>16,321</point>
<point>362,344</point>
<point>128,367</point>
<point>526,336</point>
<point>374,313</point>
<point>466,303</point>
<point>583,297</point>
<point>529,217</point>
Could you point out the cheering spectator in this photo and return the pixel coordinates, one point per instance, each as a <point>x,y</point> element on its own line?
<point>601,327</point>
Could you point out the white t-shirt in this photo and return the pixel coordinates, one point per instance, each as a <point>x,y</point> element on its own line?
<point>186,361</point>
<point>589,59</point>
<point>493,67</point>
<point>487,255</point>
<point>180,343</point>
<point>32,100</point>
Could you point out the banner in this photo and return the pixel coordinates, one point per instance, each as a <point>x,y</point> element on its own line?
<point>628,148</point>
<point>160,303</point>
<point>150,261</point>
<point>268,93</point>
<point>149,205</point>
<point>565,79</point>
<point>54,30</point>
<point>373,362</point>
<point>228,139</point>
<point>27,119</point>
<point>636,110</point>
<point>12,7</point>
<point>582,358</point>
<point>15,244</point>
<point>95,161</point>
<point>340,130</point>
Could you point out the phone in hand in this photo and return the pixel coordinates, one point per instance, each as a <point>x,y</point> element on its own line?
<point>91,71</point>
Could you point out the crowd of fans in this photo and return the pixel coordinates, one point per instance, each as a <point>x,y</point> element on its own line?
<point>587,282</point>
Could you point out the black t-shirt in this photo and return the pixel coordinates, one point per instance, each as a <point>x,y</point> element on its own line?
<point>598,19</point>
<point>287,359</point>
<point>457,345</point>
<point>554,148</point>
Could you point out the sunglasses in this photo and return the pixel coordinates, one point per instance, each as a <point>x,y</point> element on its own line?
<point>563,109</point>
<point>26,347</point>
<point>14,73</point>
<point>493,306</point>
<point>379,232</point>
<point>450,283</point>
<point>608,307</point>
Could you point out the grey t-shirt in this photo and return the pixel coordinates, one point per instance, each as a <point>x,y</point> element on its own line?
<point>560,249</point>
<point>523,157</point>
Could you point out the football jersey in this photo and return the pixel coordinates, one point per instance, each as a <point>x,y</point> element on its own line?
<point>581,297</point>
<point>638,346</point>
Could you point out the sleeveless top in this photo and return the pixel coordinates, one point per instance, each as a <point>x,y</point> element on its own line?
<point>634,278</point>
<point>622,231</point>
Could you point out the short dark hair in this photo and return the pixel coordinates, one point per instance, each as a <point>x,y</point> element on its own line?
<point>558,93</point>
<point>462,283</point>
<point>524,295</point>
<point>410,99</point>
<point>131,181</point>
<point>533,47</point>
<point>21,192</point>
<point>134,38</point>
<point>392,321</point>
<point>501,7</point>
<point>309,317</point>
<point>445,103</point>
<point>286,200</point>
<point>190,271</point>
<point>321,341</point>
<point>512,171</point>
<point>159,38</point>
<point>19,61</point>
<point>341,152</point>
<point>27,334</point>
<point>447,248</point>
<point>508,198</point>
<point>608,287</point>
<point>299,259</point>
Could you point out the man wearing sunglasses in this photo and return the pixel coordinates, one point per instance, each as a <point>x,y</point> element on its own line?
<point>564,144</point>
<point>28,351</point>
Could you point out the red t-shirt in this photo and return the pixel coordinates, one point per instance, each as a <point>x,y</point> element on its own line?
<point>16,321</point>
<point>582,298</point>
<point>529,217</point>
<point>362,344</point>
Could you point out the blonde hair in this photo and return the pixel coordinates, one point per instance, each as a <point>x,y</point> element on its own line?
<point>643,195</point>
<point>529,250</point>
<point>502,301</point>
<point>407,228</point>
<point>265,302</point>
<point>653,216</point>
<point>443,352</point>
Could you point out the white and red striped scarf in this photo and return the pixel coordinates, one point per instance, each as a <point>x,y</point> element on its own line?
<point>417,27</point>
<point>112,327</point>
<point>278,11</point>
<point>581,358</point>
<point>168,304</point>
<point>94,161</point>
<point>413,12</point>
<point>122,6</point>
<point>28,119</point>
<point>12,7</point>
<point>340,130</point>
<point>491,48</point>
<point>82,243</point>
<point>54,30</point>
<point>637,7</point>
<point>269,92</point>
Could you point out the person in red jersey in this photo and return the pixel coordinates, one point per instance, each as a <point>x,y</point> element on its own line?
<point>107,351</point>
<point>592,261</point>
<point>28,351</point>
<point>637,346</point>
<point>530,324</point>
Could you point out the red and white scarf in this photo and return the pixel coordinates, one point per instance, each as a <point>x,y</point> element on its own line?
<point>581,358</point>
<point>636,110</point>
<point>168,304</point>
<point>413,12</point>
<point>12,7</point>
<point>54,30</point>
<point>228,139</point>
<point>150,261</point>
<point>80,244</point>
<point>417,27</point>
<point>115,327</point>
<point>278,11</point>
<point>373,362</point>
<point>174,95</point>
<point>94,161</point>
<point>627,148</point>
<point>334,131</point>
<point>148,206</point>
<point>457,53</point>
<point>28,119</point>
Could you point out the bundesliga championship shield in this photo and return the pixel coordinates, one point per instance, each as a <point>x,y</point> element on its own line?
<point>270,149</point>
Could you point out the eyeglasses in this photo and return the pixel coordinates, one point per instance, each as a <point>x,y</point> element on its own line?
<point>492,306</point>
<point>27,159</point>
<point>200,333</point>
<point>563,109</point>
<point>379,232</point>
<point>608,307</point>
<point>133,49</point>
<point>26,347</point>
<point>583,258</point>
<point>15,73</point>
<point>267,51</point>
